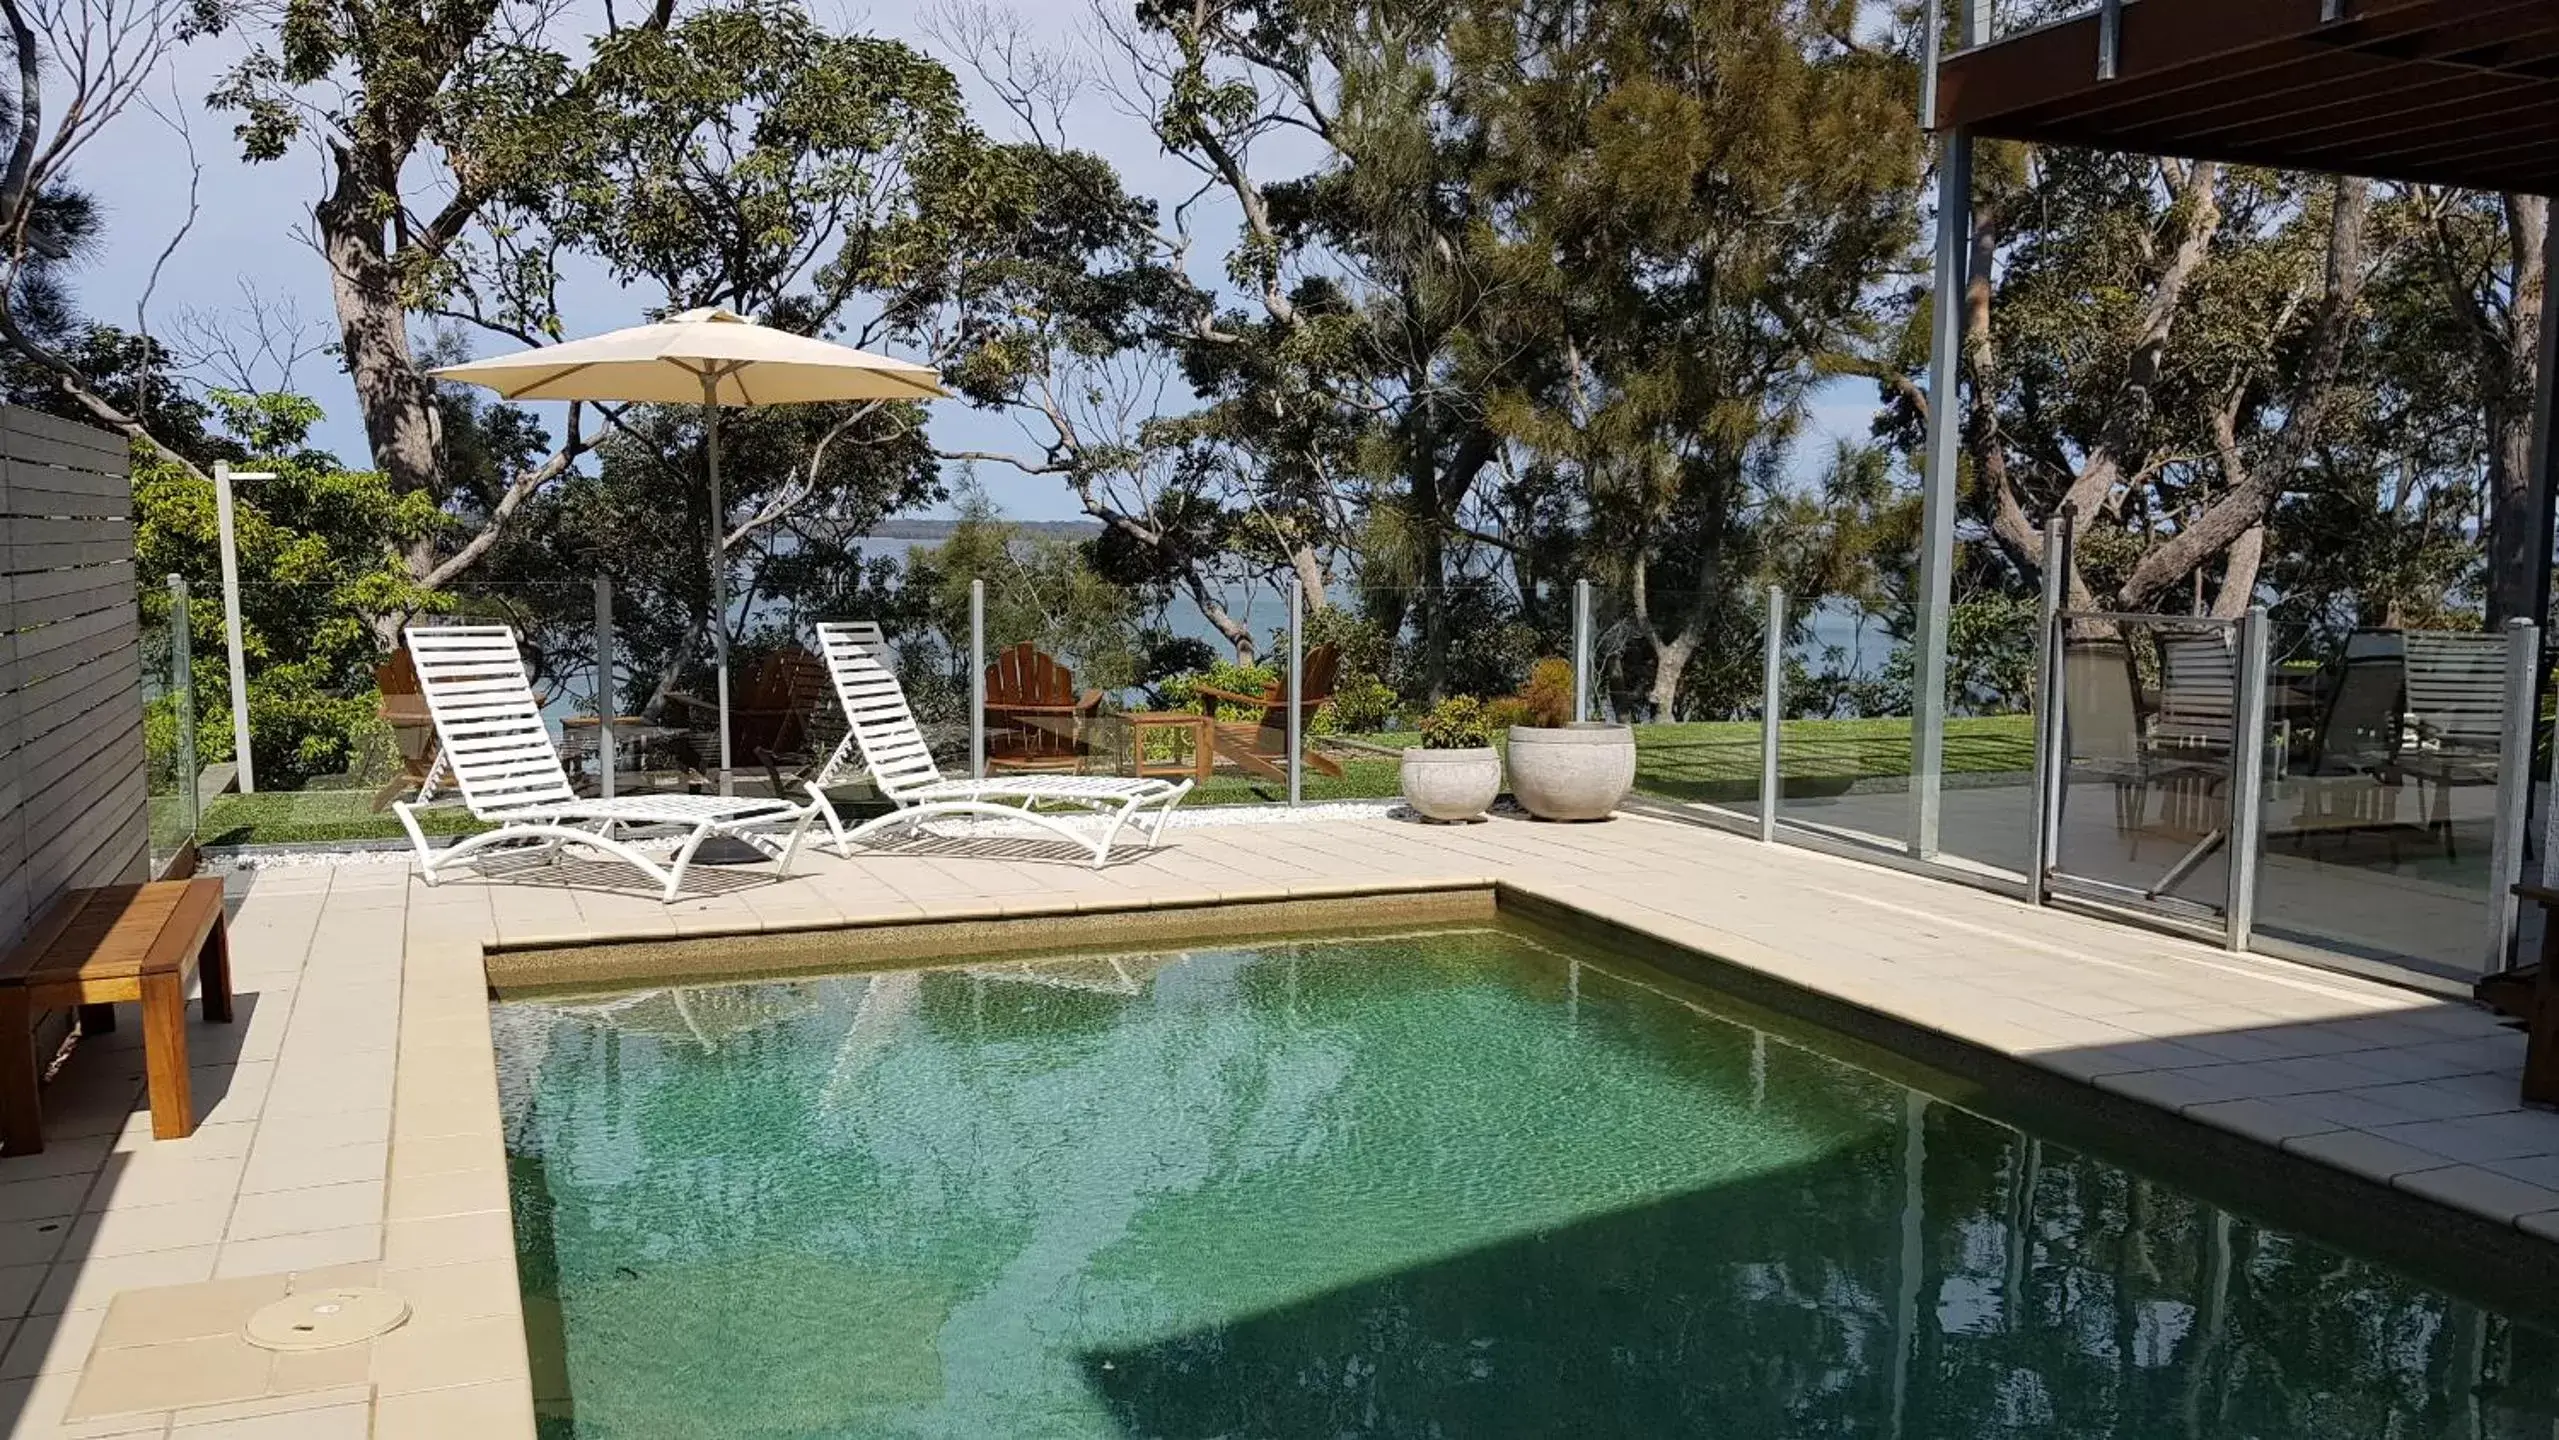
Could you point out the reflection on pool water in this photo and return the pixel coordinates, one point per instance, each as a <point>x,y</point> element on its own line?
<point>1456,1184</point>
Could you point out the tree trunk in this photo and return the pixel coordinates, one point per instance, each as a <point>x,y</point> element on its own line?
<point>400,418</point>
<point>1670,666</point>
<point>2518,537</point>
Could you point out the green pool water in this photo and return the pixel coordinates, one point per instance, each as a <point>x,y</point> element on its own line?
<point>1458,1184</point>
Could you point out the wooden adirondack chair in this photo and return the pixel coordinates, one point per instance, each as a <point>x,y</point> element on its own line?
<point>772,709</point>
<point>1035,718</point>
<point>1261,745</point>
<point>404,709</point>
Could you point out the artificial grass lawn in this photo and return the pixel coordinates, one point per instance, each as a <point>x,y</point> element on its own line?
<point>1704,761</point>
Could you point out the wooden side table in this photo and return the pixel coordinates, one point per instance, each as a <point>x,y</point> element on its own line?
<point>95,948</point>
<point>1142,721</point>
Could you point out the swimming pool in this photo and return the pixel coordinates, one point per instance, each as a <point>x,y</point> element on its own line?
<point>1466,1182</point>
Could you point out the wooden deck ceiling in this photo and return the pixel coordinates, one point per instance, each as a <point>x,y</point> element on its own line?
<point>2450,92</point>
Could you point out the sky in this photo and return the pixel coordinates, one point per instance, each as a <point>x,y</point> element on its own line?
<point>251,237</point>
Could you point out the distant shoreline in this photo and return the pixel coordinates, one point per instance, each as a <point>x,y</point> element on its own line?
<point>942,529</point>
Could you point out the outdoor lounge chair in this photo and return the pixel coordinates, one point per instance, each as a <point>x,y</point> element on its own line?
<point>2456,704</point>
<point>892,751</point>
<point>509,773</point>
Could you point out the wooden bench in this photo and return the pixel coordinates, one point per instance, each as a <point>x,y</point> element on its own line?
<point>93,949</point>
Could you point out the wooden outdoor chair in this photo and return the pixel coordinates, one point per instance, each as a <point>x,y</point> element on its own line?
<point>1260,745</point>
<point>1035,717</point>
<point>403,707</point>
<point>775,709</point>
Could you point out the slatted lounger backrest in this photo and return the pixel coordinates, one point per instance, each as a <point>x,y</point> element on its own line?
<point>2198,688</point>
<point>2457,687</point>
<point>494,736</point>
<point>893,748</point>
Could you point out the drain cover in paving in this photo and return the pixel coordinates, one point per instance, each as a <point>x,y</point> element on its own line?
<point>322,1319</point>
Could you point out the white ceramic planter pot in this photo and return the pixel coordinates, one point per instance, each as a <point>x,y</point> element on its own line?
<point>1573,772</point>
<point>1452,784</point>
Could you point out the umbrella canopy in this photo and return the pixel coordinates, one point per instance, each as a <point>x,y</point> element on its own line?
<point>710,358</point>
<point>697,357</point>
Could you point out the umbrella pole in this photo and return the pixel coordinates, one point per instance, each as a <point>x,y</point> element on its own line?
<point>719,573</point>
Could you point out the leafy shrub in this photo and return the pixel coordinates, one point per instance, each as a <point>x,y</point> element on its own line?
<point>1361,703</point>
<point>1547,698</point>
<point>1181,692</point>
<point>1456,723</point>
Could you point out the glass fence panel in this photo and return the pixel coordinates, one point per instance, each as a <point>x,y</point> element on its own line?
<point>168,725</point>
<point>1986,796</point>
<point>1693,696</point>
<point>2380,819</point>
<point>2146,760</point>
<point>1845,742</point>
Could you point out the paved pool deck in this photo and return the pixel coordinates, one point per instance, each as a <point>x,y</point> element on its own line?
<point>350,1126</point>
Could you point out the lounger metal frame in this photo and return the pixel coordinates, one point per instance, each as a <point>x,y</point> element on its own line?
<point>890,748</point>
<point>509,773</point>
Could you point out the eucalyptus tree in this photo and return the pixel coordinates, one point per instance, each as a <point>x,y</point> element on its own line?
<point>1693,202</point>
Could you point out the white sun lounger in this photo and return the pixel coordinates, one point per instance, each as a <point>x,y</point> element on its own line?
<point>509,773</point>
<point>891,749</point>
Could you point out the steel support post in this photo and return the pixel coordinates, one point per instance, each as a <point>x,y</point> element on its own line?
<point>2247,780</point>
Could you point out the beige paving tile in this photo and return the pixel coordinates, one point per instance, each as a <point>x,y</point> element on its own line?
<point>51,1344</point>
<point>42,1199</point>
<point>2363,1154</point>
<point>433,1154</point>
<point>149,1178</point>
<point>2272,1121</point>
<point>89,1283</point>
<point>443,1294</point>
<point>448,1240</point>
<point>164,1377</point>
<point>467,1352</point>
<point>503,1408</point>
<point>361,1272</point>
<point>2482,1192</point>
<point>281,1162</point>
<point>311,1250</point>
<point>30,1242</point>
<point>335,1368</point>
<point>344,1127</point>
<point>302,1212</point>
<point>450,1192</point>
<point>328,1422</point>
<point>34,1409</point>
<point>160,1314</point>
<point>266,1405</point>
<point>131,1230</point>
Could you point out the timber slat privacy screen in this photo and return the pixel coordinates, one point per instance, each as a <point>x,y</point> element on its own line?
<point>73,803</point>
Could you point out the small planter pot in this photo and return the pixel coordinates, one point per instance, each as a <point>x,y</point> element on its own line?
<point>1452,785</point>
<point>1572,772</point>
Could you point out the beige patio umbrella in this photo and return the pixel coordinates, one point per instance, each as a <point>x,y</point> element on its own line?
<point>708,358</point>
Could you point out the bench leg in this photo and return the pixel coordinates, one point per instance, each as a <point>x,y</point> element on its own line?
<point>2541,1053</point>
<point>213,973</point>
<point>164,1054</point>
<point>21,1115</point>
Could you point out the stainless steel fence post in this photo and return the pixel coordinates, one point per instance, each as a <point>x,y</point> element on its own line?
<point>1581,651</point>
<point>604,706</point>
<point>977,679</point>
<point>2050,682</point>
<point>2514,788</point>
<point>1296,679</point>
<point>182,699</point>
<point>1772,710</point>
<point>2247,779</point>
